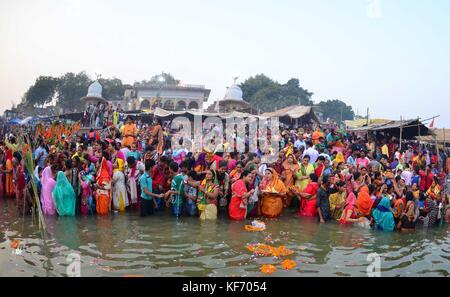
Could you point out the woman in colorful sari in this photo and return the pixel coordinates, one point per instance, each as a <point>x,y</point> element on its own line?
<point>132,177</point>
<point>337,201</point>
<point>64,196</point>
<point>240,194</point>
<point>236,173</point>
<point>434,189</point>
<point>208,191</point>
<point>103,192</point>
<point>364,202</point>
<point>382,215</point>
<point>350,215</point>
<point>290,168</point>
<point>48,185</point>
<point>23,205</point>
<point>308,197</point>
<point>273,195</point>
<point>2,168</point>
<point>119,192</point>
<point>302,175</point>
<point>201,165</point>
<point>86,200</point>
<point>9,187</point>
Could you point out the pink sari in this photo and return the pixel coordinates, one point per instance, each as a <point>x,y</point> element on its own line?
<point>48,184</point>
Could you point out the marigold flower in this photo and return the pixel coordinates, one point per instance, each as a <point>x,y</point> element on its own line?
<point>288,264</point>
<point>268,269</point>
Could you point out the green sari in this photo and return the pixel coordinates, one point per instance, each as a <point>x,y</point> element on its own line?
<point>64,196</point>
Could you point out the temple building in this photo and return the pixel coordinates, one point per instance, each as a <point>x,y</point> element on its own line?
<point>232,101</point>
<point>177,96</point>
<point>94,95</point>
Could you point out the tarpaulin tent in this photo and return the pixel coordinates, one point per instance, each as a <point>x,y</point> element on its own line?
<point>298,113</point>
<point>441,136</point>
<point>406,129</point>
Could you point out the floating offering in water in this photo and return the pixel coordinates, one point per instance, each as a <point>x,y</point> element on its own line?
<point>256,226</point>
<point>288,264</point>
<point>267,250</point>
<point>268,269</point>
<point>15,244</point>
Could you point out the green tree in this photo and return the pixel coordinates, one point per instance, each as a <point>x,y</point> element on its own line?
<point>268,95</point>
<point>167,79</point>
<point>71,88</point>
<point>113,89</point>
<point>41,92</point>
<point>336,110</point>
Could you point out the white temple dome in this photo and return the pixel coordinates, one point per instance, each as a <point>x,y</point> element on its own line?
<point>95,90</point>
<point>233,93</point>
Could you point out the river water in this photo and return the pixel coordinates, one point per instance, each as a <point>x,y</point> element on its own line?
<point>127,245</point>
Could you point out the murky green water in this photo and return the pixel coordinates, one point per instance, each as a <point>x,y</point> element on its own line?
<point>125,244</point>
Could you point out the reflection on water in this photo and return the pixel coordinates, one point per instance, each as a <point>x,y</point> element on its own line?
<point>125,244</point>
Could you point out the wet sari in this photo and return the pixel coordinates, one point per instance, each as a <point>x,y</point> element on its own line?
<point>48,185</point>
<point>272,205</point>
<point>103,195</point>
<point>235,211</point>
<point>64,196</point>
<point>349,206</point>
<point>289,171</point>
<point>337,199</point>
<point>308,207</point>
<point>119,192</point>
<point>382,215</point>
<point>207,209</point>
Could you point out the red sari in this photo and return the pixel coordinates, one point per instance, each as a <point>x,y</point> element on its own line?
<point>238,190</point>
<point>9,174</point>
<point>308,207</point>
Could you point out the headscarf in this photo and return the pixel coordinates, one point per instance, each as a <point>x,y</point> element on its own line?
<point>64,196</point>
<point>103,175</point>
<point>276,184</point>
<point>383,216</point>
<point>364,201</point>
<point>119,166</point>
<point>200,164</point>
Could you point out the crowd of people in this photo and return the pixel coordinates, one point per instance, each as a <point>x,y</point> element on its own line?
<point>100,115</point>
<point>323,172</point>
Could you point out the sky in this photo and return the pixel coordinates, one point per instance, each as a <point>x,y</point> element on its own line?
<point>389,55</point>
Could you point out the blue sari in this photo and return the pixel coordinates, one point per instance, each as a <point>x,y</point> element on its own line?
<point>384,219</point>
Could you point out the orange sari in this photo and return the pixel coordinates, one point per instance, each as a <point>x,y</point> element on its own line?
<point>103,195</point>
<point>289,170</point>
<point>364,202</point>
<point>272,205</point>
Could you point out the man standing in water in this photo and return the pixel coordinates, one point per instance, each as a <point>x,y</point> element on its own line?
<point>323,202</point>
